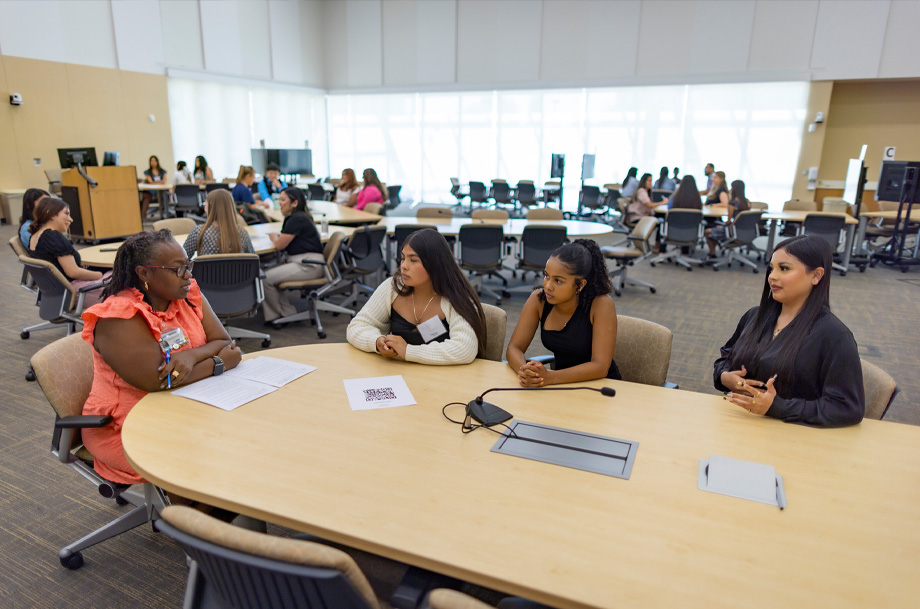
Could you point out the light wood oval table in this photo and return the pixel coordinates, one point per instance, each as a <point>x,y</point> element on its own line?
<point>407,484</point>
<point>513,227</point>
<point>333,213</point>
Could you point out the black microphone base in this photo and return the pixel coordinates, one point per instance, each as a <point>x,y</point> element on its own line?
<point>487,414</point>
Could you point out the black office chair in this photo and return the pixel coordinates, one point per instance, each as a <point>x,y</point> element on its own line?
<point>741,234</point>
<point>501,194</point>
<point>363,257</point>
<point>188,202</point>
<point>660,194</point>
<point>525,195</point>
<point>209,188</point>
<point>481,254</point>
<point>232,284</point>
<point>681,229</point>
<point>478,194</point>
<point>828,228</point>
<point>315,192</point>
<point>400,232</point>
<point>393,193</point>
<point>537,244</point>
<point>591,203</point>
<point>57,300</point>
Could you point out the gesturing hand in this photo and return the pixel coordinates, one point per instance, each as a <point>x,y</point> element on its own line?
<point>737,383</point>
<point>759,401</point>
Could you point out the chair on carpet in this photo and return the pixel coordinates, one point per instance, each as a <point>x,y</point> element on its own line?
<point>481,247</point>
<point>478,193</point>
<point>537,244</point>
<point>188,202</point>
<point>232,283</point>
<point>879,388</point>
<point>64,370</point>
<point>741,233</point>
<point>19,249</point>
<point>374,208</point>
<point>316,192</point>
<point>828,228</point>
<point>636,247</point>
<point>496,320</point>
<point>681,230</point>
<point>317,290</point>
<point>363,257</point>
<point>177,226</point>
<point>57,300</point>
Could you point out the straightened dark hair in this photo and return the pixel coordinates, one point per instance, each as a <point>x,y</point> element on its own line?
<point>201,163</point>
<point>370,178</point>
<point>662,176</point>
<point>814,252</point>
<point>583,258</point>
<point>642,180</point>
<point>150,165</point>
<point>29,199</point>
<point>447,279</point>
<point>46,208</point>
<point>737,194</point>
<point>687,196</point>
<point>633,172</point>
<point>298,199</point>
<point>137,250</point>
<point>181,165</point>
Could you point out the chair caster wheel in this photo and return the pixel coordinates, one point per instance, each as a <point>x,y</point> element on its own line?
<point>498,302</point>
<point>506,294</point>
<point>72,561</point>
<point>756,272</point>
<point>322,334</point>
<point>266,343</point>
<point>24,335</point>
<point>119,500</point>
<point>653,290</point>
<point>30,375</point>
<point>617,292</point>
<point>335,313</point>
<point>844,273</point>
<point>651,264</point>
<point>689,269</point>
<point>715,269</point>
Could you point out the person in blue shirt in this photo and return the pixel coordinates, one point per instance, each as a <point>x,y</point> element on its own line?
<point>272,183</point>
<point>242,195</point>
<point>29,200</point>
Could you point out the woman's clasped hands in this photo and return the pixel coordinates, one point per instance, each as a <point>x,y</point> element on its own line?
<point>533,374</point>
<point>754,396</point>
<point>392,346</point>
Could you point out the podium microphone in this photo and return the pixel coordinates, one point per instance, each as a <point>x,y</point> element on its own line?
<point>489,414</point>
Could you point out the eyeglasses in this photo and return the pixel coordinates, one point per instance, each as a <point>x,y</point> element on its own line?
<point>179,270</point>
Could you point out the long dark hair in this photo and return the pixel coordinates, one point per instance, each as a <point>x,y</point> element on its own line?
<point>46,208</point>
<point>370,178</point>
<point>29,199</point>
<point>645,177</point>
<point>737,194</point>
<point>633,172</point>
<point>814,252</point>
<point>150,165</point>
<point>687,196</point>
<point>662,176</point>
<point>446,278</point>
<point>583,258</point>
<point>201,164</point>
<point>137,250</point>
<point>299,199</point>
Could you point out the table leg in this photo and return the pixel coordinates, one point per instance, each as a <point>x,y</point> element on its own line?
<point>848,245</point>
<point>771,238</point>
<point>861,235</point>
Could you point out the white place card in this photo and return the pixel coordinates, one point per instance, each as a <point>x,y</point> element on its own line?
<point>378,392</point>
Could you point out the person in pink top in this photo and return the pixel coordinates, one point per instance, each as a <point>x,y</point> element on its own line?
<point>372,191</point>
<point>151,309</point>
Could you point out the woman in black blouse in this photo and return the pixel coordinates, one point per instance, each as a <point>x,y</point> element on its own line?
<point>300,240</point>
<point>49,242</point>
<point>576,317</point>
<point>791,358</point>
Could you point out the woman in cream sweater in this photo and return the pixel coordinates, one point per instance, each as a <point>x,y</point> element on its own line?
<point>428,313</point>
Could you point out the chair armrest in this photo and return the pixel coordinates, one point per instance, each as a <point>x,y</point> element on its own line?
<point>95,286</point>
<point>83,421</point>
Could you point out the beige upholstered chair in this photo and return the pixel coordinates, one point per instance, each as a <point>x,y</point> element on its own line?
<point>177,226</point>
<point>798,205</point>
<point>545,213</point>
<point>835,205</point>
<point>373,208</point>
<point>759,205</point>
<point>265,569</point>
<point>495,332</point>
<point>636,247</point>
<point>643,351</point>
<point>434,212</point>
<point>880,390</point>
<point>64,370</point>
<point>54,181</point>
<point>490,214</point>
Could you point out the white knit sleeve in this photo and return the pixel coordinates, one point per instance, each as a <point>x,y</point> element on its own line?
<point>373,320</point>
<point>460,348</point>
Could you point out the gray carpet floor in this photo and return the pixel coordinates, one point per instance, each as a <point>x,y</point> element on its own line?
<point>44,505</point>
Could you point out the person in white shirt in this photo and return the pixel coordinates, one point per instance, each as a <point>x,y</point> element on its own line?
<point>346,191</point>
<point>428,313</point>
<point>183,175</point>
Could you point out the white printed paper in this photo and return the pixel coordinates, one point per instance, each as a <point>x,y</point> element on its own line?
<point>269,370</point>
<point>225,393</point>
<point>378,392</point>
<point>744,479</point>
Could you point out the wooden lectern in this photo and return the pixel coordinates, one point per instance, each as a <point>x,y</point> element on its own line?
<point>107,211</point>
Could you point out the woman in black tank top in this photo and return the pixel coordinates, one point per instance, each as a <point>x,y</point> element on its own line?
<point>577,320</point>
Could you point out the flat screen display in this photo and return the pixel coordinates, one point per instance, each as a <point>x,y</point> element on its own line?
<point>70,157</point>
<point>296,161</point>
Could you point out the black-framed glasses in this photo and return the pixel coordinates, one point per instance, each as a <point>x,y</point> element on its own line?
<point>179,270</point>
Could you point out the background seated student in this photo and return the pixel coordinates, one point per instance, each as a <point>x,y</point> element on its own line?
<point>299,240</point>
<point>664,182</point>
<point>346,191</point>
<point>220,234</point>
<point>152,293</point>
<point>737,203</point>
<point>203,173</point>
<point>718,194</point>
<point>630,183</point>
<point>428,313</point>
<point>242,194</point>
<point>791,358</point>
<point>640,203</point>
<point>183,175</point>
<point>708,171</point>
<point>576,317</point>
<point>154,174</point>
<point>49,242</point>
<point>372,191</point>
<point>271,184</point>
<point>686,196</point>
<point>29,199</point>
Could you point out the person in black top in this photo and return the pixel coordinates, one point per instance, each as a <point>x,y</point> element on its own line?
<point>791,358</point>
<point>300,241</point>
<point>49,242</point>
<point>577,318</point>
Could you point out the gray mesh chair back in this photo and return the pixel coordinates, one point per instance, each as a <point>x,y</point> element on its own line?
<point>826,227</point>
<point>230,282</point>
<point>401,231</point>
<point>393,192</point>
<point>660,194</point>
<point>20,250</point>
<point>481,247</point>
<point>537,243</point>
<point>364,249</point>
<point>226,578</point>
<point>208,188</point>
<point>744,228</point>
<point>455,188</point>
<point>683,226</point>
<point>57,297</point>
<point>526,194</point>
<point>315,192</point>
<point>501,193</point>
<point>590,197</point>
<point>188,199</point>
<point>478,193</point>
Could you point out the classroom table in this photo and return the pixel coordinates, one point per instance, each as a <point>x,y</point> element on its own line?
<point>103,256</point>
<point>775,217</point>
<point>407,484</point>
<point>513,227</point>
<point>865,216</point>
<point>162,192</point>
<point>333,213</point>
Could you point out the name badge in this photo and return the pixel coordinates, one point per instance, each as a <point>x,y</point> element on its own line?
<point>431,329</point>
<point>173,339</point>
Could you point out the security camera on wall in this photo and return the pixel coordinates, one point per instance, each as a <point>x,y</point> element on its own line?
<point>15,99</point>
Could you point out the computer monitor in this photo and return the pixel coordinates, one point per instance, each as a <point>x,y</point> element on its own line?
<point>891,180</point>
<point>71,157</point>
<point>587,167</point>
<point>111,159</point>
<point>291,161</point>
<point>557,166</point>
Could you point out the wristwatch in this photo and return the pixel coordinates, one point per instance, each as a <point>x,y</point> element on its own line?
<point>218,366</point>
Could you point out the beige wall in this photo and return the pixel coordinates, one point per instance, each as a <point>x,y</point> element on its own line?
<point>67,105</point>
<point>878,113</point>
<point>819,99</point>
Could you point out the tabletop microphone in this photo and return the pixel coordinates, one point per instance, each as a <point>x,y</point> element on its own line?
<point>489,414</point>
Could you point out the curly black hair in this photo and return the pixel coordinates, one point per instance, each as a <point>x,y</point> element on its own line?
<point>137,250</point>
<point>583,258</point>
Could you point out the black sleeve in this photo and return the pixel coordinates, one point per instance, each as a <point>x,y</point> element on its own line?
<point>54,244</point>
<point>842,400</point>
<point>725,353</point>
